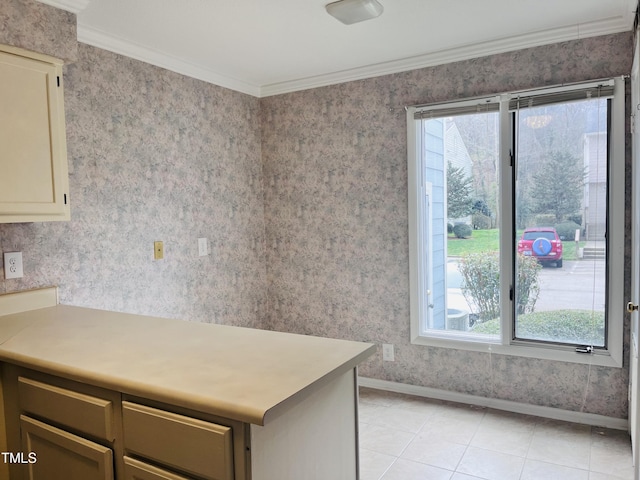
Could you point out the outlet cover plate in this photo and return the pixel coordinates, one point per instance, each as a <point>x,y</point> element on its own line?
<point>13,265</point>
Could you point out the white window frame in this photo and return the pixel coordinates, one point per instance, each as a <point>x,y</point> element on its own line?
<point>612,355</point>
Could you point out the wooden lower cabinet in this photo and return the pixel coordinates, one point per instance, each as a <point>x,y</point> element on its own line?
<point>60,455</point>
<point>78,431</point>
<point>137,470</point>
<point>58,429</point>
<point>183,443</point>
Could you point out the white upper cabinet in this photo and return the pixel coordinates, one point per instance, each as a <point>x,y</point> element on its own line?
<point>34,184</point>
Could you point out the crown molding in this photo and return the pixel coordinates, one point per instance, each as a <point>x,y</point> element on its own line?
<point>106,41</point>
<point>73,6</point>
<point>456,54</point>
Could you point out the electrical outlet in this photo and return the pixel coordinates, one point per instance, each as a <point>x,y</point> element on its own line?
<point>203,248</point>
<point>387,352</point>
<point>13,265</point>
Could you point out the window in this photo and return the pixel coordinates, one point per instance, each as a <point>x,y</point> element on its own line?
<point>516,207</point>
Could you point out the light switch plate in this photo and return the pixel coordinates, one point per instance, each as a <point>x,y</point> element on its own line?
<point>158,250</point>
<point>203,248</point>
<point>388,354</point>
<point>13,265</point>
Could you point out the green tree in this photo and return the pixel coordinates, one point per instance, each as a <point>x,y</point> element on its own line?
<point>558,186</point>
<point>459,190</point>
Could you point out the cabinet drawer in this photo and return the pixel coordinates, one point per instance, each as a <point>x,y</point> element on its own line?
<point>77,411</point>
<point>137,470</point>
<point>62,455</point>
<point>184,443</point>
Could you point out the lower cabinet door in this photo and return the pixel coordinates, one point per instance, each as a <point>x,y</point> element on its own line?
<point>60,455</point>
<point>137,470</point>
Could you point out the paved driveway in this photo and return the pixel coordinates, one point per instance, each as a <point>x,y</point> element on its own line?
<point>572,286</point>
<point>569,287</point>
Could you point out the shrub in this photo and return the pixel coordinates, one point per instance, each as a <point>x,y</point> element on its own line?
<point>481,283</point>
<point>576,218</point>
<point>480,206</point>
<point>567,230</point>
<point>462,230</point>
<point>481,222</point>
<point>449,228</point>
<point>527,281</point>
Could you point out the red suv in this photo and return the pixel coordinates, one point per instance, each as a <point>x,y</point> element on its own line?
<point>543,243</point>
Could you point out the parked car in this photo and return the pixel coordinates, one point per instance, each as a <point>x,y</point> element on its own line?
<point>542,243</point>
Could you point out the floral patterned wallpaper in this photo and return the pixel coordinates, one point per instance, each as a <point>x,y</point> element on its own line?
<point>337,222</point>
<point>40,28</point>
<point>153,155</point>
<point>303,198</point>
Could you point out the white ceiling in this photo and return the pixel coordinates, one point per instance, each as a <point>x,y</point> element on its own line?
<point>267,47</point>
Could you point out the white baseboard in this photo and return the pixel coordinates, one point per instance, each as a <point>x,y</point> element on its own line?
<point>506,405</point>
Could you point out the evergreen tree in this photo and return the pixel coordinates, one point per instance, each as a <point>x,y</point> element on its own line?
<point>558,186</point>
<point>459,190</point>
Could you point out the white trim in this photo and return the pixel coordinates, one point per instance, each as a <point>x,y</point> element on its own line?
<point>616,214</point>
<point>612,356</point>
<point>505,214</point>
<point>73,6</point>
<point>498,404</point>
<point>106,41</point>
<point>97,38</point>
<point>463,52</point>
<point>414,137</point>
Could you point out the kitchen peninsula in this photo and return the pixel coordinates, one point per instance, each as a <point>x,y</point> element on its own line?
<point>139,397</point>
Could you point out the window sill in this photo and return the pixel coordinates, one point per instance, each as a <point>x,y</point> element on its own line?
<point>601,358</point>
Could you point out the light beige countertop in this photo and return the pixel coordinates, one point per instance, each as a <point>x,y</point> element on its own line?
<point>240,373</point>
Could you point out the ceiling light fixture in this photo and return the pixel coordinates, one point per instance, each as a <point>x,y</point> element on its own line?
<point>353,11</point>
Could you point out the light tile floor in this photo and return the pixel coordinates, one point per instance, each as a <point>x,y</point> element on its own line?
<point>403,437</point>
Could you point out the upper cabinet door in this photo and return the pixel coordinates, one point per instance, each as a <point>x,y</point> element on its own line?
<point>34,183</point>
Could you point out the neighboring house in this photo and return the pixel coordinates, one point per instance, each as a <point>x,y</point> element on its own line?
<point>437,223</point>
<point>443,144</point>
<point>594,202</point>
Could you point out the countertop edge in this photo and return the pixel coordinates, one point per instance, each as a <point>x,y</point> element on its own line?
<point>163,395</point>
<point>225,407</point>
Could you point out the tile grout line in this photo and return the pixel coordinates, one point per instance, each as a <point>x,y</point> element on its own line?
<point>526,454</point>
<point>466,448</point>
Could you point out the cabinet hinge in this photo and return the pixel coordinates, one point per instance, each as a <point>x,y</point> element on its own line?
<point>511,294</point>
<point>65,198</point>
<point>58,78</point>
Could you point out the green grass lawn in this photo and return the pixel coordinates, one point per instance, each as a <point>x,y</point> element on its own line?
<point>487,241</point>
<point>571,326</point>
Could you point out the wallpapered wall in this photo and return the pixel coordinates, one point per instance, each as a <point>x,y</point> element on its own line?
<point>336,219</point>
<point>153,155</point>
<point>303,198</point>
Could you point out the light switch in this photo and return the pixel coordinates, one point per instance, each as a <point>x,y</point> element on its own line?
<point>203,248</point>
<point>13,265</point>
<point>158,250</point>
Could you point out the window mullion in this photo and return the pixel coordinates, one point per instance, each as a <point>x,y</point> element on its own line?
<point>506,215</point>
